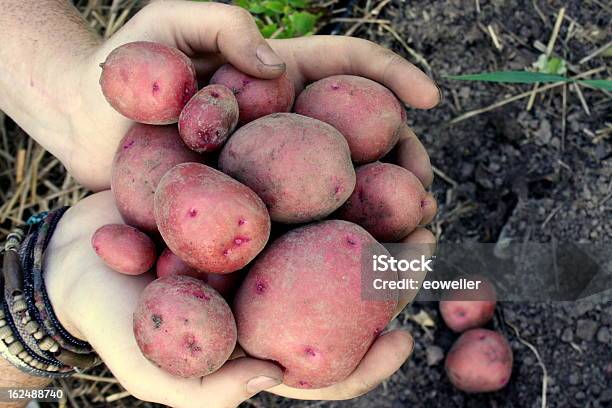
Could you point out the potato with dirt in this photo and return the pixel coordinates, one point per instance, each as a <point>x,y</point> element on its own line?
<point>256,97</point>
<point>211,221</point>
<point>184,326</point>
<point>464,309</point>
<point>365,112</point>
<point>299,166</point>
<point>301,304</point>
<point>168,264</point>
<point>143,156</point>
<point>479,361</point>
<point>387,201</point>
<point>124,248</point>
<point>208,118</point>
<point>148,82</point>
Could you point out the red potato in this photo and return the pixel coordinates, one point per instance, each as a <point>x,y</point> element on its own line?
<point>143,156</point>
<point>479,361</point>
<point>467,309</point>
<point>387,201</point>
<point>148,82</point>
<point>301,305</point>
<point>211,221</point>
<point>299,166</point>
<point>124,248</point>
<point>256,97</point>
<point>365,112</point>
<point>208,118</point>
<point>168,264</point>
<point>184,326</point>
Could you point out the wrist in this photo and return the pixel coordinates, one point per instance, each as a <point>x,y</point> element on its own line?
<point>61,282</point>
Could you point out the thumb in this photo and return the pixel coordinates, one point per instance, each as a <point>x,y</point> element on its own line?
<point>198,28</point>
<point>240,379</point>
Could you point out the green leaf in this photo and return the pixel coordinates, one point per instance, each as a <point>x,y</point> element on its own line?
<point>550,65</point>
<point>274,6</point>
<point>303,22</point>
<point>520,77</point>
<point>300,4</point>
<point>268,30</point>
<point>598,83</point>
<point>256,8</point>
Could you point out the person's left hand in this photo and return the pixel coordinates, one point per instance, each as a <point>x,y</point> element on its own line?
<point>96,304</point>
<point>213,33</point>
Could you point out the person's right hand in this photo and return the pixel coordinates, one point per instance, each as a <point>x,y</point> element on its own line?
<point>96,304</point>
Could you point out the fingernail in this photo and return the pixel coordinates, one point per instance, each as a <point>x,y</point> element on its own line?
<point>268,57</point>
<point>261,383</point>
<point>440,95</point>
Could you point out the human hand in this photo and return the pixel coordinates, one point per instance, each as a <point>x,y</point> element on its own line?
<point>96,304</point>
<point>211,34</point>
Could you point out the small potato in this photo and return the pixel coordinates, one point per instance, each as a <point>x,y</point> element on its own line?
<point>148,82</point>
<point>168,264</point>
<point>184,326</point>
<point>387,201</point>
<point>124,248</point>
<point>365,112</point>
<point>300,167</point>
<point>208,118</point>
<point>467,309</point>
<point>256,97</point>
<point>143,156</point>
<point>301,304</point>
<point>211,221</point>
<point>479,361</point>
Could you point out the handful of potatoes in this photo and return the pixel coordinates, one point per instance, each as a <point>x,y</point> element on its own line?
<point>210,172</point>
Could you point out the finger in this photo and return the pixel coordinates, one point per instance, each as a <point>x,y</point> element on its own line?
<point>422,237</point>
<point>411,155</point>
<point>420,242</point>
<point>321,56</point>
<point>197,28</point>
<point>385,357</point>
<point>429,206</point>
<point>239,380</point>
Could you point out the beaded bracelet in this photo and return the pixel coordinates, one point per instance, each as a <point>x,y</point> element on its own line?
<point>31,336</point>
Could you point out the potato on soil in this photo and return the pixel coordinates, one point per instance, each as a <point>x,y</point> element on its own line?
<point>256,97</point>
<point>184,326</point>
<point>211,221</point>
<point>299,166</point>
<point>479,361</point>
<point>124,248</point>
<point>168,264</point>
<point>301,304</point>
<point>208,118</point>
<point>143,156</point>
<point>365,112</point>
<point>467,309</point>
<point>386,201</point>
<point>148,82</point>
